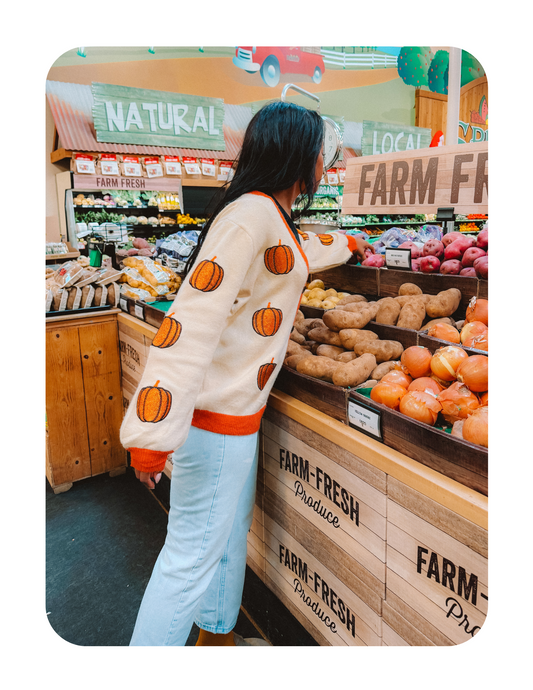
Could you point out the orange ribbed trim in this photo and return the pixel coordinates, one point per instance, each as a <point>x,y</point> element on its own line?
<point>352,243</point>
<point>226,424</point>
<point>148,460</point>
<point>286,225</point>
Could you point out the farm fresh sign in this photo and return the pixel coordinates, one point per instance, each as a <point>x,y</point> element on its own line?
<point>124,115</point>
<point>419,181</point>
<point>381,137</point>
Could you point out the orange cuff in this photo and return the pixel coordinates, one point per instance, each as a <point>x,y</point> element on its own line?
<point>148,460</point>
<point>352,243</point>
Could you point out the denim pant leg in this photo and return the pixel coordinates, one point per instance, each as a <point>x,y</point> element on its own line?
<point>219,606</point>
<point>209,474</point>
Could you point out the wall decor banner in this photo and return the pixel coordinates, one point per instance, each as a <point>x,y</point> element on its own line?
<point>125,115</point>
<point>382,137</point>
<point>419,181</point>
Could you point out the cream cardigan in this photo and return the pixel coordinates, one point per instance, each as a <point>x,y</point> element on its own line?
<point>216,355</point>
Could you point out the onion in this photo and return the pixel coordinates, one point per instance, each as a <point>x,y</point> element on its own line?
<point>388,394</point>
<point>416,359</point>
<point>474,373</point>
<point>457,428</point>
<point>484,399</point>
<point>426,385</point>
<point>420,406</point>
<point>458,402</point>
<point>476,427</point>
<point>444,331</point>
<point>471,329</point>
<point>398,377</point>
<point>478,310</point>
<point>446,360</point>
<point>478,342</point>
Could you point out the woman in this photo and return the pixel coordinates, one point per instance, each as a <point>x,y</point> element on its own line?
<point>211,367</point>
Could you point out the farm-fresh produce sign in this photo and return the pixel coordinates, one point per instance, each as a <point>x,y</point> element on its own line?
<point>381,137</point>
<point>125,115</point>
<point>422,181</point>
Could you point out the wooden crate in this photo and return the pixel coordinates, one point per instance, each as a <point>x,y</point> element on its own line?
<point>433,344</point>
<point>323,396</point>
<point>437,571</point>
<point>324,509</point>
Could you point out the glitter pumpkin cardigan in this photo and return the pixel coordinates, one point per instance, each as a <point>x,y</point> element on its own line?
<point>216,355</point>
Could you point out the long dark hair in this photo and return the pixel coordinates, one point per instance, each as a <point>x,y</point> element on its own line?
<point>281,146</point>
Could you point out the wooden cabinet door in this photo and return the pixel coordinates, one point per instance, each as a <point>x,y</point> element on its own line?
<point>69,457</point>
<point>100,361</point>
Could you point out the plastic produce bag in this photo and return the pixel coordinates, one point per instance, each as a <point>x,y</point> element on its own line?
<point>429,232</point>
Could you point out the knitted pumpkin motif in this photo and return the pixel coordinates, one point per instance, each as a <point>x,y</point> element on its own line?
<point>168,333</point>
<point>207,276</point>
<point>266,322</point>
<point>153,403</point>
<point>304,235</point>
<point>325,239</point>
<point>279,260</point>
<point>264,373</point>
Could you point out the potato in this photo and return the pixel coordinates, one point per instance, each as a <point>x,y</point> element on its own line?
<point>297,337</point>
<point>330,351</point>
<point>412,315</point>
<point>409,289</point>
<point>352,298</point>
<point>328,304</point>
<point>355,372</point>
<point>383,350</point>
<point>315,284</point>
<point>314,303</point>
<point>342,295</point>
<point>322,368</point>
<point>334,299</point>
<point>293,360</point>
<point>350,336</point>
<point>293,348</point>
<point>305,325</point>
<point>345,356</point>
<point>404,299</point>
<point>337,320</point>
<point>388,311</point>
<point>317,293</point>
<point>300,316</point>
<point>331,292</point>
<point>382,369</point>
<point>303,300</point>
<point>444,304</point>
<point>325,336</point>
<point>368,384</point>
<point>353,306</point>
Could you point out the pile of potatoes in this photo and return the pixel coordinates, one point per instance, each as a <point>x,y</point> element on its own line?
<point>414,309</point>
<point>316,295</point>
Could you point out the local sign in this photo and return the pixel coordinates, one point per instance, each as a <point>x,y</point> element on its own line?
<point>381,137</point>
<point>419,181</point>
<point>124,115</point>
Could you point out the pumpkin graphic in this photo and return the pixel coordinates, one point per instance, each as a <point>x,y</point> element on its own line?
<point>266,322</point>
<point>207,276</point>
<point>264,373</point>
<point>304,235</point>
<point>279,260</point>
<point>325,239</point>
<point>168,333</point>
<point>153,403</point>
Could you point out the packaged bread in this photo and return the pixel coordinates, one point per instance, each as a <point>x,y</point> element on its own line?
<point>113,294</point>
<point>69,273</point>
<point>87,296</point>
<point>74,298</point>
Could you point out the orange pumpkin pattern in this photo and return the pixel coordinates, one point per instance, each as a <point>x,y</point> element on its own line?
<point>325,239</point>
<point>168,333</point>
<point>264,373</point>
<point>266,322</point>
<point>279,260</point>
<point>153,403</point>
<point>304,235</point>
<point>207,276</point>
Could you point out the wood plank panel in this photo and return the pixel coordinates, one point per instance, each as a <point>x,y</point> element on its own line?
<point>417,621</point>
<point>391,638</point>
<point>397,631</point>
<point>361,280</point>
<point>69,457</point>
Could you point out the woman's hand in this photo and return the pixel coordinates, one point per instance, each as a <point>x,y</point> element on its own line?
<point>146,478</point>
<point>362,245</point>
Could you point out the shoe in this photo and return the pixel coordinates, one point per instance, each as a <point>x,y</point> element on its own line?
<point>250,641</point>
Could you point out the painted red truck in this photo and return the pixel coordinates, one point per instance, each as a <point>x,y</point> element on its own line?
<point>272,62</point>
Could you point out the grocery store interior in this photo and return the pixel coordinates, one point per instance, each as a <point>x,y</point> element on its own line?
<point>370,524</point>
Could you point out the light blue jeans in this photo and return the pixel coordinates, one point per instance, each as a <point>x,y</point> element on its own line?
<point>199,574</point>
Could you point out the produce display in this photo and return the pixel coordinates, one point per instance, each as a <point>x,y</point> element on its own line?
<point>145,279</point>
<point>76,285</point>
<point>316,295</point>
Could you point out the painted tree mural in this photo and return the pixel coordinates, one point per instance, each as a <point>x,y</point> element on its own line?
<point>413,64</point>
<point>438,72</point>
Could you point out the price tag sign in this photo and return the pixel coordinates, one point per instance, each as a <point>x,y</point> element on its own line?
<point>123,304</point>
<point>364,418</point>
<point>139,312</point>
<point>398,258</point>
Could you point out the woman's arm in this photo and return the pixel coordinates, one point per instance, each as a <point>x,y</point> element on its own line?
<point>327,250</point>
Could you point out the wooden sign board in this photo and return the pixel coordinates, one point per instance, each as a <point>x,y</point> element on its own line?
<point>419,181</point>
<point>140,184</point>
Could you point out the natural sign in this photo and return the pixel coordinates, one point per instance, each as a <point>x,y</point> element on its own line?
<point>419,181</point>
<point>125,115</point>
<point>381,137</point>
